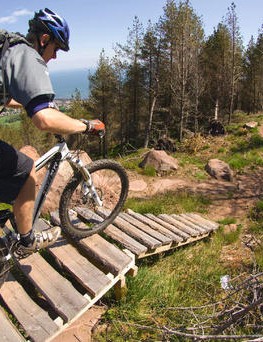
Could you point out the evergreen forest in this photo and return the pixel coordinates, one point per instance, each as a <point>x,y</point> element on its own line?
<point>168,78</point>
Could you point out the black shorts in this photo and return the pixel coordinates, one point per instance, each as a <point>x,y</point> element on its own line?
<point>15,168</point>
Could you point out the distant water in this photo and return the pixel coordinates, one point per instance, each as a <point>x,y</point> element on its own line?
<point>66,82</point>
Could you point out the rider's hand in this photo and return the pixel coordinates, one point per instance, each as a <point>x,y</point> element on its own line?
<point>95,127</point>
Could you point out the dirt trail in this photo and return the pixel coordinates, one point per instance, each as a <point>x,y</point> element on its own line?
<point>230,199</point>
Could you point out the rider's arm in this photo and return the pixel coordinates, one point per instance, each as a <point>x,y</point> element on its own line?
<point>53,121</point>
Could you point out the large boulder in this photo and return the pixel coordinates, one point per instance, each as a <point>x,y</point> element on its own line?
<point>65,172</point>
<point>160,161</point>
<point>219,170</point>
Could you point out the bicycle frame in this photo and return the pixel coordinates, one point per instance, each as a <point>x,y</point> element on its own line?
<point>55,156</point>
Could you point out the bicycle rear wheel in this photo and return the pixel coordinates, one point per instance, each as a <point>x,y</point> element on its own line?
<point>79,215</point>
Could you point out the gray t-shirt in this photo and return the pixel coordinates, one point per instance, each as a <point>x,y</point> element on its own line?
<point>26,74</point>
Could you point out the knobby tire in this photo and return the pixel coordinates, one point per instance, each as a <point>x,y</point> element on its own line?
<point>111,182</point>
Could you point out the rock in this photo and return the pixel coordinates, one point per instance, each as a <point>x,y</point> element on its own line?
<point>64,173</point>
<point>137,185</point>
<point>160,160</point>
<point>250,125</point>
<point>219,170</point>
<point>187,134</point>
<point>230,228</point>
<point>165,144</point>
<point>216,128</point>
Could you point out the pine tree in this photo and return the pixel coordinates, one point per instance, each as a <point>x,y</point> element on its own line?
<point>134,84</point>
<point>151,62</point>
<point>103,96</point>
<point>216,70</point>
<point>236,56</point>
<point>183,34</point>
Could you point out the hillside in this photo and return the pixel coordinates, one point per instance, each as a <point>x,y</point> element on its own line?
<point>165,299</point>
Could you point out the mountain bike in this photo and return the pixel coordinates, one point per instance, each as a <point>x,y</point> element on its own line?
<point>100,187</point>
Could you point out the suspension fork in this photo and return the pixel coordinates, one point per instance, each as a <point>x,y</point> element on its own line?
<point>88,187</point>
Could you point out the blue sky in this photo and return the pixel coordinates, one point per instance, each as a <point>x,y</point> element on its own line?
<point>99,24</point>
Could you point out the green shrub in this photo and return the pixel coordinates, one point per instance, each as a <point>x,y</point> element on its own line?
<point>149,170</point>
<point>227,220</point>
<point>238,162</point>
<point>256,213</point>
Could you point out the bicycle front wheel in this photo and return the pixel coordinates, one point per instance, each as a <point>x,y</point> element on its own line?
<point>79,213</point>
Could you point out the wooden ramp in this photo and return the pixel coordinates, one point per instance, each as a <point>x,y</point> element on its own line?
<point>49,291</point>
<point>145,235</point>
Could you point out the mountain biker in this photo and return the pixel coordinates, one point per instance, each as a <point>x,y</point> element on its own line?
<point>27,83</point>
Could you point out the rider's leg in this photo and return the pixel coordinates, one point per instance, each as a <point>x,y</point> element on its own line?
<point>24,204</point>
<point>23,209</point>
<point>17,187</point>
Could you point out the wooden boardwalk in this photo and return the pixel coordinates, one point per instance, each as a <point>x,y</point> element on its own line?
<point>49,291</point>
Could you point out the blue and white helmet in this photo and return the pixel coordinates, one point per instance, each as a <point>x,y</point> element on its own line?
<point>55,25</point>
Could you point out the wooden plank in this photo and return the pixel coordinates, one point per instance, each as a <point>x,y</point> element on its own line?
<point>8,332</point>
<point>129,229</point>
<point>58,291</point>
<point>125,240</point>
<point>89,276</point>
<point>106,254</point>
<point>179,225</point>
<point>156,226</point>
<point>147,229</point>
<point>34,320</point>
<point>208,223</point>
<point>192,224</point>
<point>197,222</point>
<point>169,226</point>
<point>137,234</point>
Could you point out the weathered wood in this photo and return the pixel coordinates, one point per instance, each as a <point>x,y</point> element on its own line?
<point>197,222</point>
<point>127,228</point>
<point>155,225</point>
<point>147,229</point>
<point>169,226</point>
<point>137,234</point>
<point>105,254</point>
<point>208,224</point>
<point>34,320</point>
<point>88,275</point>
<point>192,224</point>
<point>125,240</point>
<point>120,288</point>
<point>8,332</point>
<point>58,291</point>
<point>115,233</point>
<point>179,225</point>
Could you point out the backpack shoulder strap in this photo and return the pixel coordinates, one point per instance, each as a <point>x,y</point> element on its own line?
<point>8,39</point>
<point>12,38</point>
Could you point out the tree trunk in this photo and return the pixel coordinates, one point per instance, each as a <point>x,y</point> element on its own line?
<point>149,127</point>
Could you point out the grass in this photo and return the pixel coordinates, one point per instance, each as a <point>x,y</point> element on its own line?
<point>188,276</point>
<point>169,203</point>
<point>13,121</point>
<point>4,206</point>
